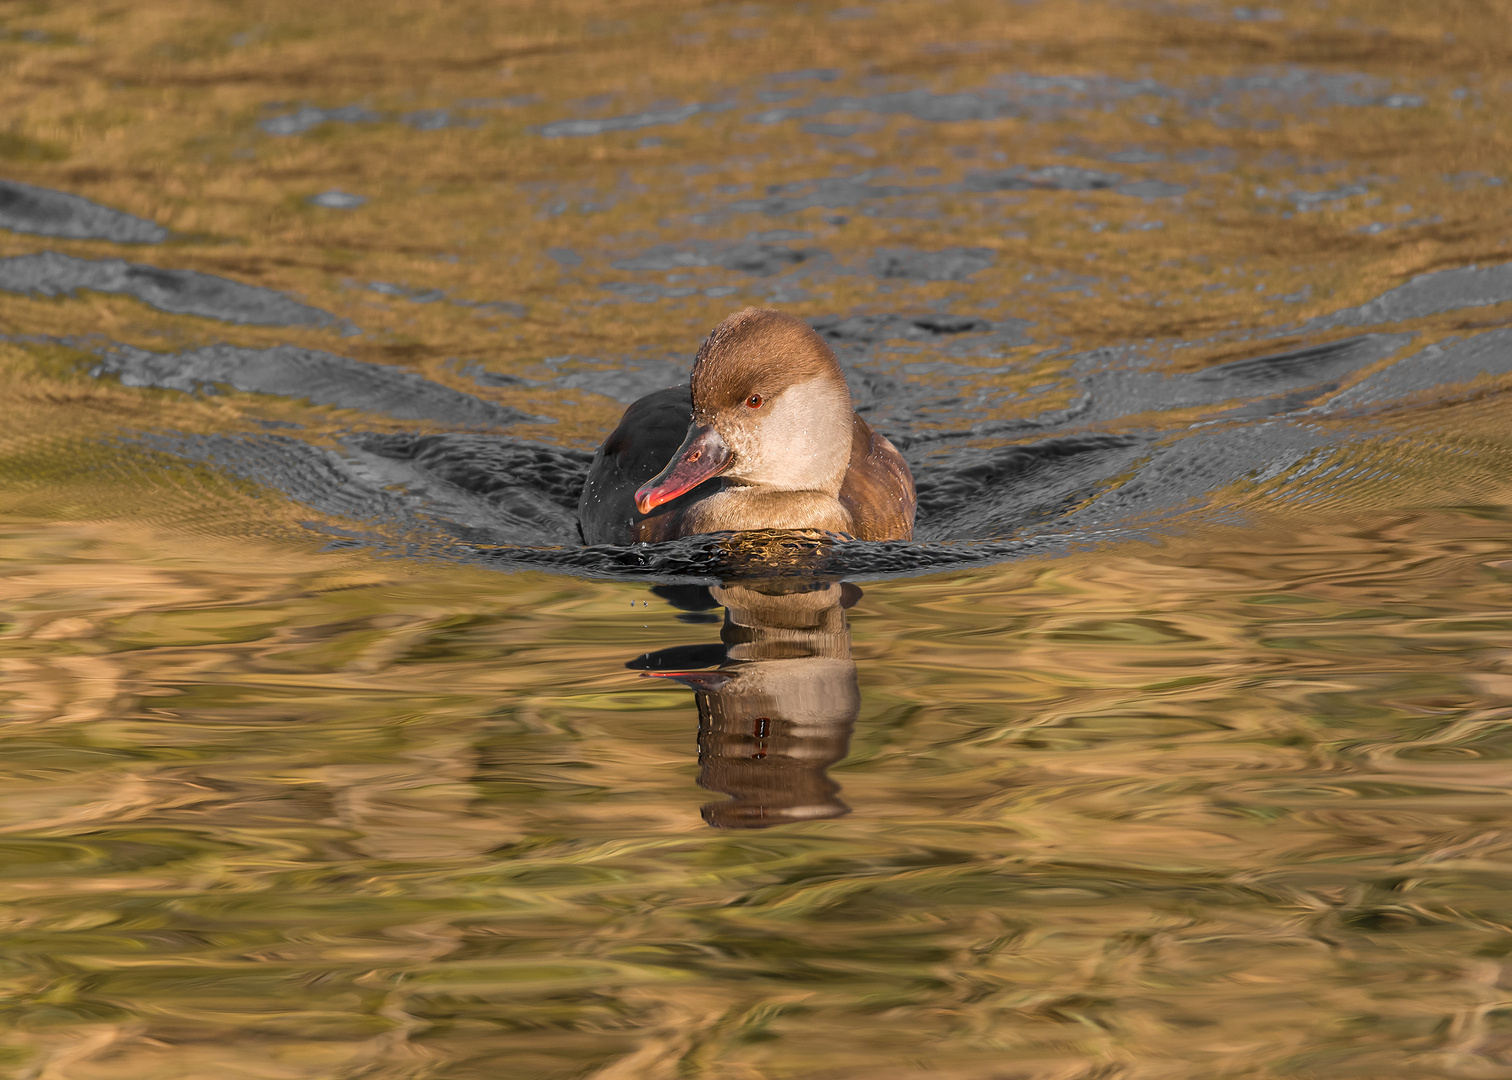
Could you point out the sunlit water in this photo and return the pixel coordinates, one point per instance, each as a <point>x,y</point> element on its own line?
<point>1177,746</point>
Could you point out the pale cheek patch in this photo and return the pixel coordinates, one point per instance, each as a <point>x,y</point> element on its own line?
<point>801,444</point>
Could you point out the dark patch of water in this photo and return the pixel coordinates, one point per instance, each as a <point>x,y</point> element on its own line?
<point>1183,475</point>
<point>1260,386</point>
<point>947,264</point>
<point>645,293</point>
<point>181,292</point>
<point>764,260</point>
<point>1257,15</point>
<point>1296,86</point>
<point>1314,363</point>
<point>511,101</point>
<point>842,131</point>
<point>832,192</point>
<point>1047,479</point>
<point>750,256</point>
<point>870,329</point>
<point>437,120</point>
<point>805,75</point>
<point>1231,101</point>
<point>1437,368</point>
<point>624,381</point>
<point>487,464</point>
<point>414,296</point>
<point>1054,177</point>
<point>523,483</point>
<point>629,122</point>
<point>1135,156</point>
<point>836,192</point>
<point>28,209</point>
<point>322,378</point>
<point>430,296</point>
<point>309,117</point>
<point>483,377</point>
<point>1151,189</point>
<point>1306,201</point>
<point>919,104</point>
<point>1426,294</point>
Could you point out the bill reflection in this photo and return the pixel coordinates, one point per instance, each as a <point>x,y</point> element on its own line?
<point>777,699</point>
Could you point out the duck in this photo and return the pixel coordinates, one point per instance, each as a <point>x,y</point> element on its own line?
<point>763,436</point>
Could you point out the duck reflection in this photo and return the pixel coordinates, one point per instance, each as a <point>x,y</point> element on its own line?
<point>778,709</point>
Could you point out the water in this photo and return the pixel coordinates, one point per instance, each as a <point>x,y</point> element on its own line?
<point>1175,746</point>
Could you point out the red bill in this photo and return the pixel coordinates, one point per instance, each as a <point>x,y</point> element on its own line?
<point>702,455</point>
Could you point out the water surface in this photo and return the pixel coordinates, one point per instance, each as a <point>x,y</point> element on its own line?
<point>1173,747</point>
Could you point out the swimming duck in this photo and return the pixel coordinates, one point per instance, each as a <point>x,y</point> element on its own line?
<point>764,436</point>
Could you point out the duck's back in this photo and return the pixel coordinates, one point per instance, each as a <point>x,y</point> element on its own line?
<point>647,436</point>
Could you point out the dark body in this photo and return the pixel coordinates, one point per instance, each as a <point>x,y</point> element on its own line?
<point>647,436</point>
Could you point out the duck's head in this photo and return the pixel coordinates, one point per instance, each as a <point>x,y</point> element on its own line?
<point>770,409</point>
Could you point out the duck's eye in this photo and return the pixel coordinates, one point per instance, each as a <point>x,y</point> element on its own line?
<point>754,401</point>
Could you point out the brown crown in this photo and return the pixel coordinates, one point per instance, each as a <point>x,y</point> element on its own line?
<point>758,351</point>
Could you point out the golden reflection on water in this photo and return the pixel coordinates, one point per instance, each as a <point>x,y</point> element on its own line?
<point>156,111</point>
<point>1176,811</point>
<point>1231,804</point>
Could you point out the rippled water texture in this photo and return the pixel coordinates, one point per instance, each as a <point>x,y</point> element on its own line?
<point>1175,747</point>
